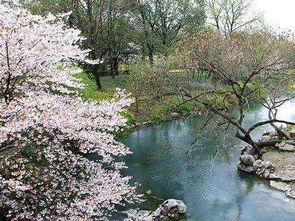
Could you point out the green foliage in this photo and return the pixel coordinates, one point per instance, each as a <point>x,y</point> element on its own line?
<point>147,84</point>
<point>29,152</point>
<point>90,91</point>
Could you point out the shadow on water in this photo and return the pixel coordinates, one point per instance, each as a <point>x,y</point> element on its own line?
<point>204,175</point>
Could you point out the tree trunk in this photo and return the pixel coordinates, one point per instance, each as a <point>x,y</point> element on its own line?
<point>248,139</point>
<point>136,104</point>
<point>95,72</point>
<point>268,143</point>
<point>114,67</point>
<point>281,133</point>
<point>151,56</point>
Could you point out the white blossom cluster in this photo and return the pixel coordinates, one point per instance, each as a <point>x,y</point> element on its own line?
<point>47,131</point>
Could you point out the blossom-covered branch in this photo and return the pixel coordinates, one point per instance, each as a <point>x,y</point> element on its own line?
<point>47,131</point>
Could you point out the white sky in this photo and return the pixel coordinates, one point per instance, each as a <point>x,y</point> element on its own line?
<point>277,13</point>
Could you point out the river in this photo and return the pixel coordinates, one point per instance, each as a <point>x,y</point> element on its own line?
<point>204,174</point>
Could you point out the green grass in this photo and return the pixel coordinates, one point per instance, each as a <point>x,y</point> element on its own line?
<point>155,110</point>
<point>90,92</point>
<point>150,110</point>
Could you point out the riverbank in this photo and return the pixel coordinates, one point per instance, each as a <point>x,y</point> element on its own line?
<point>164,107</point>
<point>149,109</point>
<point>167,164</point>
<point>277,163</point>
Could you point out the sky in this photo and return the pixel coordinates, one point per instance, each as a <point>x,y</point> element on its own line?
<point>277,13</point>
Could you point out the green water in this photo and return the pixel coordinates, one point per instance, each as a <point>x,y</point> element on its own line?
<point>204,175</point>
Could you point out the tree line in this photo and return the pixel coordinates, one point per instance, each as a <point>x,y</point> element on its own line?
<point>119,31</point>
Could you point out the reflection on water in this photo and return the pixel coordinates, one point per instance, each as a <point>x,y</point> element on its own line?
<point>204,175</point>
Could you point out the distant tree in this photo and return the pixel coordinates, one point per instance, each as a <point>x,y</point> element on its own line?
<point>105,24</point>
<point>248,67</point>
<point>148,80</point>
<point>229,16</point>
<point>121,33</point>
<point>163,22</point>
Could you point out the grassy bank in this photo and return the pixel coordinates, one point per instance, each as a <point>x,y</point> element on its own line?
<point>148,107</point>
<point>154,93</point>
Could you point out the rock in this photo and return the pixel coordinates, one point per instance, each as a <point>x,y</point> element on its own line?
<point>241,166</point>
<point>258,165</point>
<point>280,186</point>
<point>270,166</point>
<point>247,159</point>
<point>261,168</point>
<point>171,208</point>
<point>265,138</point>
<point>292,142</point>
<point>288,147</point>
<point>291,194</point>
<point>244,150</point>
<point>149,192</point>
<point>175,115</point>
<point>284,146</point>
<point>292,134</point>
<point>248,150</point>
<point>284,187</point>
<point>249,169</point>
<point>266,173</point>
<point>244,168</point>
<point>278,145</point>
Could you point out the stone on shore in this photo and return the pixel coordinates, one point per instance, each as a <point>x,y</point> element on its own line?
<point>277,163</point>
<point>287,188</point>
<point>281,186</point>
<point>284,146</point>
<point>292,134</point>
<point>261,168</point>
<point>247,159</point>
<point>170,209</point>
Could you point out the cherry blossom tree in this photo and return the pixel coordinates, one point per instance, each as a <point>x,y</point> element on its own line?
<point>47,132</point>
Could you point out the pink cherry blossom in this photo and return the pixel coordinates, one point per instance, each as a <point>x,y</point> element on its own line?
<point>47,130</point>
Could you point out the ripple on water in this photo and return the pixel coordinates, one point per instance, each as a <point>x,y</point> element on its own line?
<point>211,186</point>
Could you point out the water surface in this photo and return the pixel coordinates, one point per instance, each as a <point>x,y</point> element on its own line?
<point>204,175</point>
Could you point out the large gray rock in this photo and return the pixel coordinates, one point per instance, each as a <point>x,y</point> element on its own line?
<point>261,168</point>
<point>284,146</point>
<point>244,168</point>
<point>285,176</point>
<point>247,159</point>
<point>284,187</point>
<point>170,209</point>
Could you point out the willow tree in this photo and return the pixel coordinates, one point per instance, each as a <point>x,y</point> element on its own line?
<point>246,67</point>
